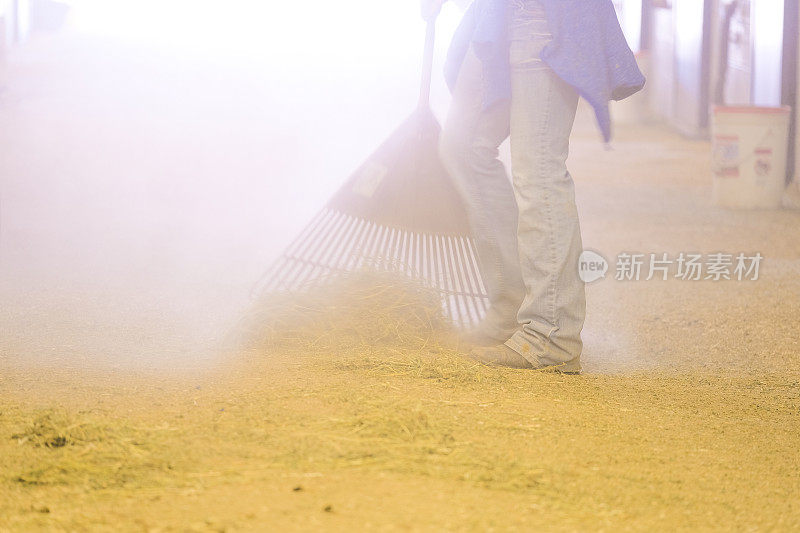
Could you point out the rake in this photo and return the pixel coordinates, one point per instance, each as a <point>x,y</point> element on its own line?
<point>398,211</point>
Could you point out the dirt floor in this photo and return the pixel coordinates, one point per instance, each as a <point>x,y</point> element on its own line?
<point>394,442</point>
<point>687,416</point>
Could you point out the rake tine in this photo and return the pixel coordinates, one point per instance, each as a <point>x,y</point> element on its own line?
<point>440,271</point>
<point>270,282</point>
<point>463,290</point>
<point>431,274</point>
<point>334,265</point>
<point>356,259</point>
<point>430,266</point>
<point>369,249</point>
<point>374,253</point>
<point>425,261</point>
<point>380,252</point>
<point>353,261</point>
<point>442,278</point>
<point>269,279</point>
<point>475,294</point>
<point>408,253</point>
<point>312,264</point>
<point>434,262</point>
<point>397,251</point>
<point>462,286</point>
<point>293,262</point>
<point>468,311</point>
<point>476,265</point>
<point>388,252</point>
<point>339,240</point>
<point>403,252</point>
<point>422,258</point>
<point>317,267</point>
<point>380,246</point>
<point>484,299</point>
<point>363,258</point>
<point>390,248</point>
<point>303,266</point>
<point>347,239</point>
<point>471,278</point>
<point>466,281</point>
<point>394,249</point>
<point>451,282</point>
<point>458,283</point>
<point>352,245</point>
<point>450,276</point>
<point>420,255</point>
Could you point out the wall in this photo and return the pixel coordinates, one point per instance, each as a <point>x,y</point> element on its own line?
<point>738,89</point>
<point>767,51</point>
<point>679,75</point>
<point>690,80</point>
<point>5,37</point>
<point>688,55</point>
<point>797,115</point>
<point>662,62</point>
<point>629,13</point>
<point>21,20</point>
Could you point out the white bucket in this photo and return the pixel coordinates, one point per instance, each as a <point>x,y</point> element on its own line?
<point>749,146</point>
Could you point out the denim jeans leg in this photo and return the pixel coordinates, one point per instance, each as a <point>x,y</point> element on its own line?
<point>543,110</point>
<point>469,149</point>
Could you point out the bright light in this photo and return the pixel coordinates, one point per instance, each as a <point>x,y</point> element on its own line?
<point>363,29</point>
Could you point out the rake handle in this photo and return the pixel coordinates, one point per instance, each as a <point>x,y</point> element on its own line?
<point>427,64</point>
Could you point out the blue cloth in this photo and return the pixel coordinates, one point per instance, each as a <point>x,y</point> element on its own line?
<point>588,51</point>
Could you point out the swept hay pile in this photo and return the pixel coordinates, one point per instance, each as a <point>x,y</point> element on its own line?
<point>363,320</point>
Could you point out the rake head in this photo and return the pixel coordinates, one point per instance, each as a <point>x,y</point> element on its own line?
<point>399,211</point>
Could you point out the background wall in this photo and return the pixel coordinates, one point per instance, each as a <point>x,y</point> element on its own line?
<point>797,108</point>
<point>691,49</point>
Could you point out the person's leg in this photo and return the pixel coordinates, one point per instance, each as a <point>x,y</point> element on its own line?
<point>542,114</point>
<point>469,149</point>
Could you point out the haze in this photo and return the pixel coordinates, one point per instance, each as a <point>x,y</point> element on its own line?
<point>157,156</point>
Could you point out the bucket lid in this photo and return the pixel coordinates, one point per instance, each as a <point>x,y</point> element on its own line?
<point>758,110</point>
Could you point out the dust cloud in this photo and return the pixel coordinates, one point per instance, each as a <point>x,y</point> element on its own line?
<point>155,157</point>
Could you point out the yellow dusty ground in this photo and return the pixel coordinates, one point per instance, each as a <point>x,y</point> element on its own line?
<point>425,443</point>
<point>353,408</point>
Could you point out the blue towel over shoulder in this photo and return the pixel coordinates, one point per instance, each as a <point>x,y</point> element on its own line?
<point>588,51</point>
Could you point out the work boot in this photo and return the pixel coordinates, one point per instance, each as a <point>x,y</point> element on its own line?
<point>499,355</point>
<point>502,355</point>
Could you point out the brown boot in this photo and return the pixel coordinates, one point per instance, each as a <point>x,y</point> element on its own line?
<point>499,355</point>
<point>502,355</point>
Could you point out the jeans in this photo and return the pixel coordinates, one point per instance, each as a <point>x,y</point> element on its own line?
<point>526,230</point>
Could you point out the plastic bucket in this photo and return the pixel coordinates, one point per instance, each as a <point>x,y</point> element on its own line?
<point>749,146</point>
